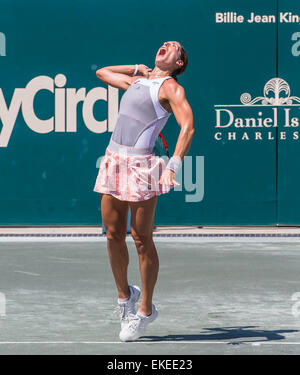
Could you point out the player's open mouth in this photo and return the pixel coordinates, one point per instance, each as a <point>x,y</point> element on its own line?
<point>162,51</point>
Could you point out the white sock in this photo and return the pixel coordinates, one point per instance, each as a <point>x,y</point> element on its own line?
<point>142,314</point>
<point>123,299</point>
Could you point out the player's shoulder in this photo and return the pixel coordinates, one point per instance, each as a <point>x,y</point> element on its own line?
<point>172,88</point>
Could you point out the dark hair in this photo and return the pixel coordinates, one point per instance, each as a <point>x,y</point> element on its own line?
<point>184,58</point>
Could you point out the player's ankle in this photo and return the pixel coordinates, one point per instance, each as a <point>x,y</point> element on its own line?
<point>145,311</point>
<point>124,295</point>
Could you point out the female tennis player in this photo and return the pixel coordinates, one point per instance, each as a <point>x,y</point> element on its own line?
<point>130,175</point>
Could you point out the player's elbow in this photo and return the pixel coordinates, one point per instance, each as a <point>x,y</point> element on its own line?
<point>192,131</point>
<point>189,130</point>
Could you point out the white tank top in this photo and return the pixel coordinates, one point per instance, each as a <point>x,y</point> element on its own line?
<point>141,116</point>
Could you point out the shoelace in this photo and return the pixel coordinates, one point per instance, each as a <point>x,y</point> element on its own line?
<point>135,321</point>
<point>120,310</point>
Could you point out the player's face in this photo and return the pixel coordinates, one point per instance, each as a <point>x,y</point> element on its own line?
<point>168,54</point>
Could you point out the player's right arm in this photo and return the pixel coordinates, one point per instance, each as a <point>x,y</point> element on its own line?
<point>120,76</point>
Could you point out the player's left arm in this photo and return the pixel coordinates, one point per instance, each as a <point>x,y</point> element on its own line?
<point>185,119</point>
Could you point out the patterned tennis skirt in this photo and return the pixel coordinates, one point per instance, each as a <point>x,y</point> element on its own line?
<point>131,177</point>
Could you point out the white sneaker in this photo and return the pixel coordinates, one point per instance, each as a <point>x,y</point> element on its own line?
<point>127,308</point>
<point>137,326</point>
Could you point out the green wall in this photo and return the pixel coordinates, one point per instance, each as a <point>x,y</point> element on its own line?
<point>50,145</point>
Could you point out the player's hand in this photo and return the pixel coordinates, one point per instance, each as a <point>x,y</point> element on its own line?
<point>144,70</point>
<point>167,178</point>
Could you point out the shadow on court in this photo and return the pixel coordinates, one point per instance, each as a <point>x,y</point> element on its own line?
<point>227,333</point>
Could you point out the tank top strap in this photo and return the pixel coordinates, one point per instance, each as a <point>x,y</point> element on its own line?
<point>154,90</point>
<point>154,85</point>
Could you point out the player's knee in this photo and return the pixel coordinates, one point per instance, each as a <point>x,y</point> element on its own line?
<point>115,234</point>
<point>141,240</point>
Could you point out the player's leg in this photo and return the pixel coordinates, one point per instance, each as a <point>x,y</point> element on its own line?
<point>142,219</point>
<point>114,215</point>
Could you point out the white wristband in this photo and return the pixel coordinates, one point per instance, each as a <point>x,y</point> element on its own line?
<point>136,69</point>
<point>174,163</point>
